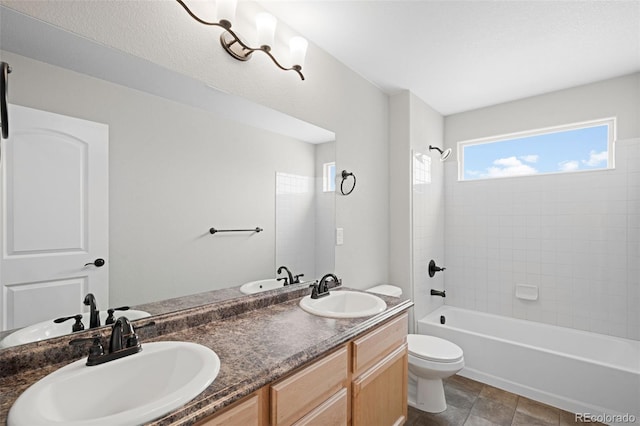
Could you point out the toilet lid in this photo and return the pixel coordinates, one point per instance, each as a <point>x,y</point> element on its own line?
<point>386,290</point>
<point>433,348</point>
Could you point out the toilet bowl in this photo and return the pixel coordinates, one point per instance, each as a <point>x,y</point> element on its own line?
<point>431,359</point>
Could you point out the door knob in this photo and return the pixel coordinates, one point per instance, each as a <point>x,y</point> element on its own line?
<point>97,263</point>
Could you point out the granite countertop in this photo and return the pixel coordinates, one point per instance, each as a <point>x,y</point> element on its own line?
<point>257,344</point>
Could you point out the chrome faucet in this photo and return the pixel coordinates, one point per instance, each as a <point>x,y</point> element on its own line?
<point>123,342</point>
<point>94,316</point>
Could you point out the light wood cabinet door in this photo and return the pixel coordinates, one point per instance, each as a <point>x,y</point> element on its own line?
<point>369,349</point>
<point>334,412</point>
<point>251,411</point>
<point>379,396</point>
<point>299,394</point>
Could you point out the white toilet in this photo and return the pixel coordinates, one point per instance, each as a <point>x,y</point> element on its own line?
<point>431,359</point>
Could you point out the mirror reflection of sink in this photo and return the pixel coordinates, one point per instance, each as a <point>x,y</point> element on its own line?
<point>260,286</point>
<point>130,390</point>
<point>48,329</point>
<point>344,304</point>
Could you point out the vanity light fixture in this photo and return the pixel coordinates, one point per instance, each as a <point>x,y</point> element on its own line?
<point>266,26</point>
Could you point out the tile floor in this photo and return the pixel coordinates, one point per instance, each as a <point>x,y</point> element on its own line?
<point>471,403</point>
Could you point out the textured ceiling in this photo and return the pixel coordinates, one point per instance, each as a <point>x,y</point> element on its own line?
<point>462,55</point>
<point>36,39</point>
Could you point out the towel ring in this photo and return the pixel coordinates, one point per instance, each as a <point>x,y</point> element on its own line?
<point>345,175</point>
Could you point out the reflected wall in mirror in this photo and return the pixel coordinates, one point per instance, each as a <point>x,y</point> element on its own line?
<point>305,206</point>
<point>183,158</point>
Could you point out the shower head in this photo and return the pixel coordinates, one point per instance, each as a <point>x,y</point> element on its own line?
<point>443,154</point>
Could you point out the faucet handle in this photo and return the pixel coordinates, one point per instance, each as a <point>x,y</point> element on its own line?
<point>110,319</point>
<point>286,280</point>
<point>96,349</point>
<point>314,292</point>
<point>77,326</point>
<point>296,278</point>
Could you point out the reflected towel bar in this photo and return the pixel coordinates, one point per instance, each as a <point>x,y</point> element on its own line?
<point>256,229</point>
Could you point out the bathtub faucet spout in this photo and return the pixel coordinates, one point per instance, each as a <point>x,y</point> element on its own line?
<point>438,293</point>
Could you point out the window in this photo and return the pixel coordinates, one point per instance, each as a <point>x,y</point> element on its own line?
<point>569,148</point>
<point>329,177</point>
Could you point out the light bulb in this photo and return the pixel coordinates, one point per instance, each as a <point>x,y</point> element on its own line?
<point>226,10</point>
<point>266,25</point>
<point>298,46</point>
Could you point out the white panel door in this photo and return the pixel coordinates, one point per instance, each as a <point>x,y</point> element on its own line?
<point>55,191</point>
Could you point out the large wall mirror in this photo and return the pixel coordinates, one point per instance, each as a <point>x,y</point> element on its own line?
<point>182,158</point>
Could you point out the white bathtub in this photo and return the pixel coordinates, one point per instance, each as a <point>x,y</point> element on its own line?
<point>577,371</point>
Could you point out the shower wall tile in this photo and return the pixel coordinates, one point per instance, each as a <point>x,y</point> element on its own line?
<point>575,236</point>
<point>295,223</point>
<point>428,230</point>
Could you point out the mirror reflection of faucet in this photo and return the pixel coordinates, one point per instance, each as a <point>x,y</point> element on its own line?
<point>94,315</point>
<point>110,319</point>
<point>290,278</point>
<point>77,326</point>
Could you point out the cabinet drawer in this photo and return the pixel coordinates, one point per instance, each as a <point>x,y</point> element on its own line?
<point>297,395</point>
<point>377,344</point>
<point>332,412</point>
<point>245,413</point>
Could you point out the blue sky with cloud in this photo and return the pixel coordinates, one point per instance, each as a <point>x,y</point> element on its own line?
<point>569,150</point>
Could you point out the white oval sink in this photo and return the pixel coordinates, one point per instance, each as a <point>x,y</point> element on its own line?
<point>48,329</point>
<point>260,286</point>
<point>130,390</point>
<point>344,304</point>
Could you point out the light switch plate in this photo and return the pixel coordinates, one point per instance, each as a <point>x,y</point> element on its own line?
<point>339,236</point>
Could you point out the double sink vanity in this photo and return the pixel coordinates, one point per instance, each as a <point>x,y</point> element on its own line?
<point>276,357</point>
